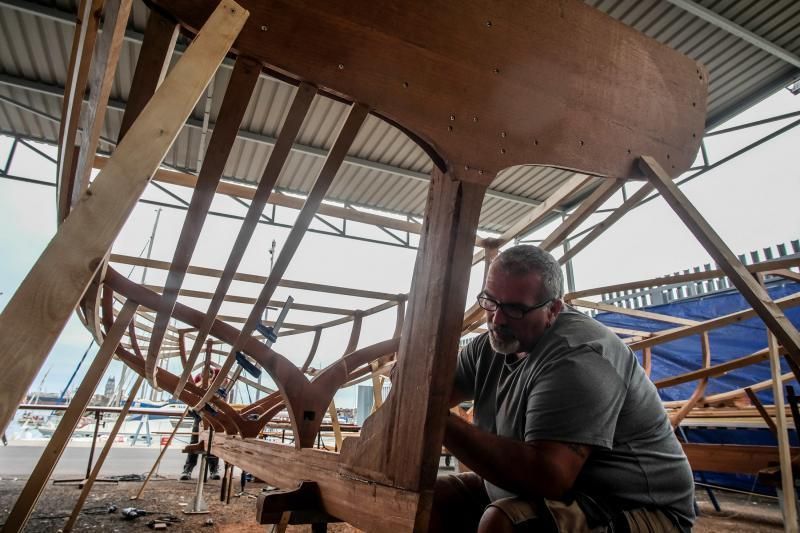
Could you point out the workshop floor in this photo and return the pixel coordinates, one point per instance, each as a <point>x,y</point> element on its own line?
<point>168,497</point>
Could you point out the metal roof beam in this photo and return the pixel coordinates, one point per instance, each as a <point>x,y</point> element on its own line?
<point>57,91</point>
<point>731,27</point>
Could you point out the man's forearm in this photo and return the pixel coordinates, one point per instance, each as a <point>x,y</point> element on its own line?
<point>510,464</point>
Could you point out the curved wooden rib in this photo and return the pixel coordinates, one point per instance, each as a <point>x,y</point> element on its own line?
<point>375,366</point>
<point>358,113</point>
<point>234,103</point>
<point>700,389</point>
<point>297,113</point>
<point>313,351</point>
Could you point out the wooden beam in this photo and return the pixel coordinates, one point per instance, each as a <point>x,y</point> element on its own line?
<point>158,44</point>
<point>83,43</point>
<point>684,331</point>
<point>756,295</point>
<point>104,66</point>
<point>731,458</point>
<point>30,494</point>
<point>366,505</point>
<point>88,483</point>
<point>700,388</point>
<point>234,104</point>
<point>712,371</point>
<point>344,139</point>
<point>254,278</point>
<point>609,221</point>
<point>529,221</point>
<point>677,279</point>
<point>401,443</point>
<point>160,454</point>
<point>184,179</point>
<point>762,411</point>
<point>591,204</point>
<point>649,315</point>
<point>41,306</point>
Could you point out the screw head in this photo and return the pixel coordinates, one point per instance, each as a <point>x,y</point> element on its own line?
<point>452,117</point>
<point>264,28</point>
<point>341,67</point>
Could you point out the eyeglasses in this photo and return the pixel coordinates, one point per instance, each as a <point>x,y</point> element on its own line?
<point>515,311</point>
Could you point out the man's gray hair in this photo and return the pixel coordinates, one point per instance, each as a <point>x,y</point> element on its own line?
<point>525,258</point>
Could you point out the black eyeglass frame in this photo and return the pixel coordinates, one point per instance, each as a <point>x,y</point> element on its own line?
<point>515,311</point>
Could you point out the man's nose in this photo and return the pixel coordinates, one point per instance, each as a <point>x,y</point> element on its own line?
<point>497,317</point>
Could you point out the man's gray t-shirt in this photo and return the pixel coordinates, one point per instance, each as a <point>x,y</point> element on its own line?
<point>581,384</point>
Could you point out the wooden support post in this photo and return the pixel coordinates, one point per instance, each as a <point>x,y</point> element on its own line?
<point>337,429</point>
<point>758,298</point>
<point>402,442</point>
<point>762,411</point>
<point>80,60</point>
<point>104,66</point>
<point>30,494</point>
<point>89,482</point>
<point>160,455</point>
<point>782,432</point>
<point>36,314</point>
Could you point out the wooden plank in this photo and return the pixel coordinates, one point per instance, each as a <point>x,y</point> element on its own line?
<point>758,298</point>
<point>35,315</point>
<point>592,98</point>
<point>731,458</point>
<point>83,43</point>
<point>184,179</point>
<point>609,221</point>
<point>677,279</point>
<point>591,204</point>
<point>158,44</point>
<point>649,315</point>
<point>189,293</point>
<point>344,139</point>
<point>712,371</point>
<point>112,436</point>
<point>30,494</point>
<point>104,66</point>
<point>780,429</point>
<point>529,221</point>
<point>254,278</point>
<point>366,505</point>
<point>700,388</point>
<point>297,113</point>
<point>234,104</point>
<point>684,331</point>
<point>312,351</point>
<point>401,443</point>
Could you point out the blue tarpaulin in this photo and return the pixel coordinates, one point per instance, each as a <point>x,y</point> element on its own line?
<point>726,343</point>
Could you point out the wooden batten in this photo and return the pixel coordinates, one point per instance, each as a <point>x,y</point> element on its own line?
<point>234,104</point>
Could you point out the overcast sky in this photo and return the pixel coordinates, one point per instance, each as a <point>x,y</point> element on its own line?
<point>751,202</point>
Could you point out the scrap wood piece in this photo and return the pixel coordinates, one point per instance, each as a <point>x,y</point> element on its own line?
<point>234,104</point>
<point>351,126</point>
<point>34,487</point>
<point>754,293</point>
<point>43,303</point>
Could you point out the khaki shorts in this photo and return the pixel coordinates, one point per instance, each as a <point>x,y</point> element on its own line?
<point>467,501</point>
<point>569,518</point>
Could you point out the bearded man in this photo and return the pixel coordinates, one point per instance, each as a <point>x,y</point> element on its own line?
<point>569,433</point>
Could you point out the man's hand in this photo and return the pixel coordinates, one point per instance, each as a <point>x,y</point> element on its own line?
<point>538,468</point>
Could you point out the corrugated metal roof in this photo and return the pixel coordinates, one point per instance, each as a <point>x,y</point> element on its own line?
<point>387,170</point>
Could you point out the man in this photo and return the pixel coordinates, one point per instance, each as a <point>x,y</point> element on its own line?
<point>570,434</point>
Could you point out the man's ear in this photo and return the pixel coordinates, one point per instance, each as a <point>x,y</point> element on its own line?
<point>554,309</point>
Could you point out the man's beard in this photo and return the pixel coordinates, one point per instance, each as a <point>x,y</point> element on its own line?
<point>506,345</point>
